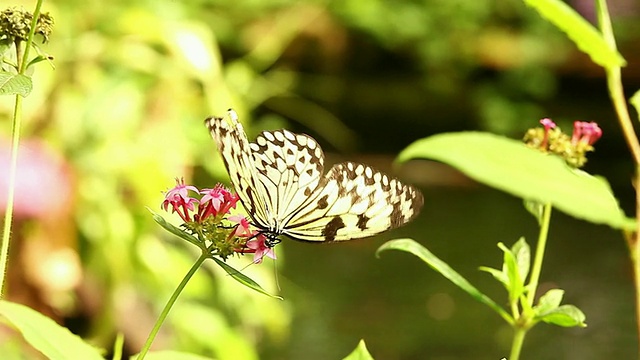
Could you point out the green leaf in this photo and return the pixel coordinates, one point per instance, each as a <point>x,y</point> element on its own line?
<point>445,270</point>
<point>580,31</point>
<point>549,302</point>
<point>171,355</point>
<point>534,208</point>
<point>635,101</point>
<point>522,253</point>
<point>52,340</point>
<point>515,284</point>
<point>511,166</point>
<point>38,59</point>
<point>566,316</point>
<point>497,274</point>
<point>15,84</point>
<point>359,353</point>
<point>243,279</point>
<point>173,229</point>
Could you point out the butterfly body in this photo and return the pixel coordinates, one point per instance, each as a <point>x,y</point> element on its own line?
<point>281,182</point>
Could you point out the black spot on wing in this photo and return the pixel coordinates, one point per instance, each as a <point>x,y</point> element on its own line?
<point>362,222</point>
<point>397,218</point>
<point>331,229</point>
<point>322,202</point>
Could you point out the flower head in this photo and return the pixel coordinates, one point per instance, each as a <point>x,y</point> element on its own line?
<point>209,223</point>
<point>216,201</point>
<point>585,132</point>
<point>260,248</point>
<point>179,199</point>
<point>548,125</point>
<point>243,228</point>
<point>552,140</point>
<point>15,24</point>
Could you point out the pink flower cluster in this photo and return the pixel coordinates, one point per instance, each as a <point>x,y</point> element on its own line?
<point>213,205</point>
<point>583,132</point>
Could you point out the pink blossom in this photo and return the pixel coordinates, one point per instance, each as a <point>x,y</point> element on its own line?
<point>218,200</point>
<point>585,132</point>
<point>179,199</point>
<point>243,229</point>
<point>259,247</point>
<point>548,125</point>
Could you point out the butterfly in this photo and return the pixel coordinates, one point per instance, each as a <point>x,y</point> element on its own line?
<point>280,180</point>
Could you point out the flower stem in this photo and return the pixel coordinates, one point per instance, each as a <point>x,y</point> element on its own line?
<point>616,92</point>
<point>169,305</point>
<point>522,321</point>
<point>516,345</point>
<point>539,256</point>
<point>16,125</point>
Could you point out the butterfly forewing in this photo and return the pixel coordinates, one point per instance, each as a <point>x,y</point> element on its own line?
<point>291,166</point>
<point>236,153</point>
<point>280,181</point>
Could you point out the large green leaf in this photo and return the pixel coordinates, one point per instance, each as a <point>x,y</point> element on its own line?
<point>584,35</point>
<point>444,269</point>
<point>12,84</point>
<point>51,339</point>
<point>512,167</point>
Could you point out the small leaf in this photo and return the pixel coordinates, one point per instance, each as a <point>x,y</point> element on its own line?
<point>52,340</point>
<point>510,268</point>
<point>566,316</point>
<point>173,229</point>
<point>635,101</point>
<point>512,167</point>
<point>584,35</point>
<point>549,302</point>
<point>534,208</point>
<point>242,278</point>
<point>15,84</point>
<point>522,253</point>
<point>359,353</point>
<point>445,270</point>
<point>5,45</point>
<point>171,355</point>
<point>40,58</point>
<point>497,274</point>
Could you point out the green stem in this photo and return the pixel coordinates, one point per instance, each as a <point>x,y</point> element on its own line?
<point>8,215</point>
<point>522,322</point>
<point>169,305</point>
<point>616,92</point>
<point>16,125</point>
<point>635,254</point>
<point>540,247</point>
<point>32,31</point>
<point>516,345</point>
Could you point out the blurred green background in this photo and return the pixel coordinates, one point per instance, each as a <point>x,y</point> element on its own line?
<point>121,116</point>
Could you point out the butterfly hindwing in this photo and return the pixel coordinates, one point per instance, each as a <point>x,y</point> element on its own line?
<point>280,180</point>
<point>355,201</point>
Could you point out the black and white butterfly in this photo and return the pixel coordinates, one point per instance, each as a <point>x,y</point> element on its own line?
<point>281,182</point>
